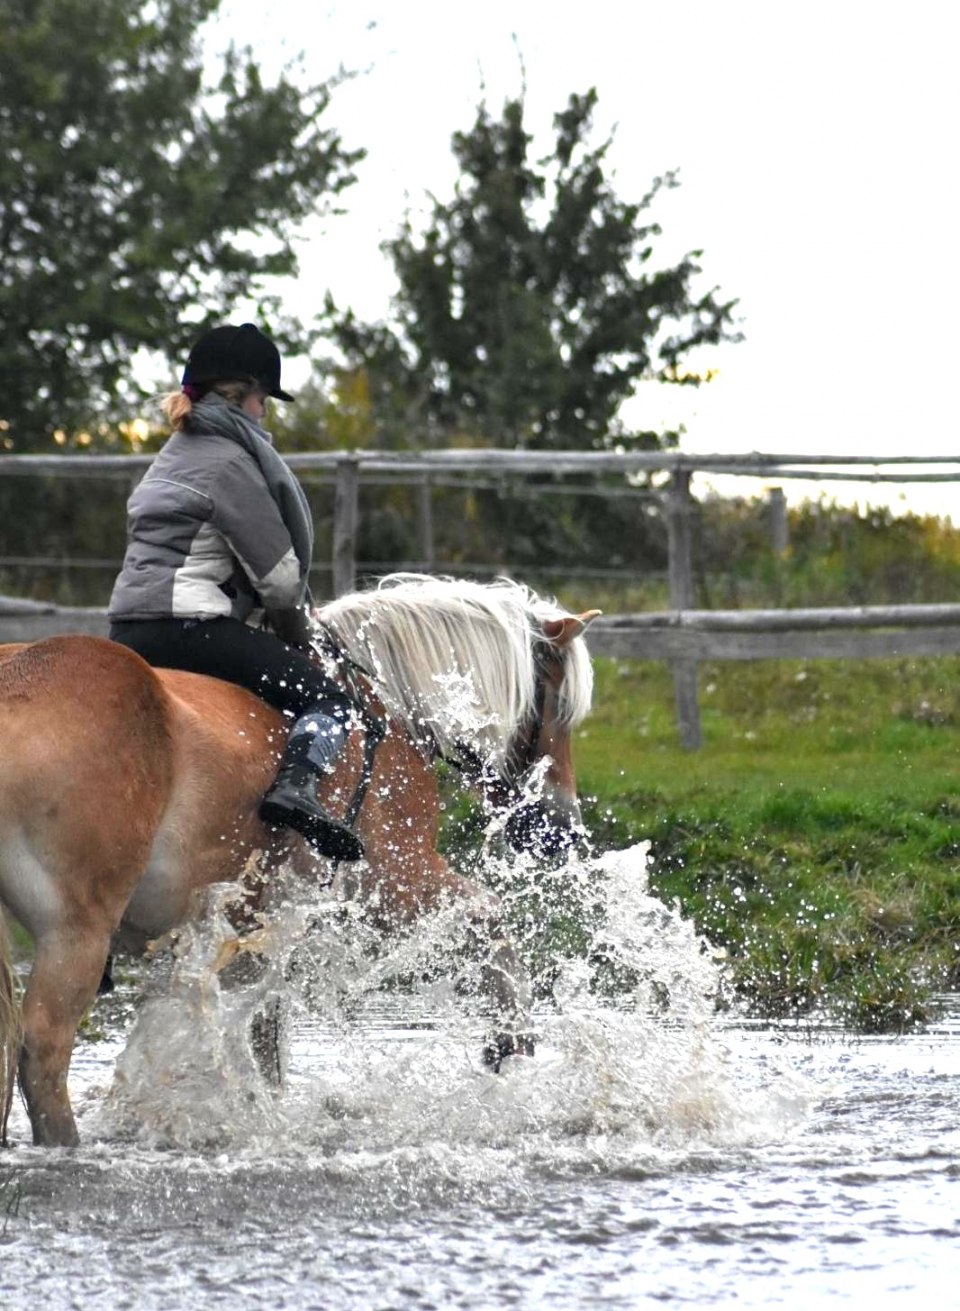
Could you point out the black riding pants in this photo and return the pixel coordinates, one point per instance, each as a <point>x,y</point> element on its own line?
<point>226,648</point>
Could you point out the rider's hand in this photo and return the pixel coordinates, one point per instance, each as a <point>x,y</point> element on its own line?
<point>292,626</point>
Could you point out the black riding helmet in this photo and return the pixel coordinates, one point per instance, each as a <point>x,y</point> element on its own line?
<point>235,351</point>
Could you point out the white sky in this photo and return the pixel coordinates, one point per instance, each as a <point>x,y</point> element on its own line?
<point>817,152</point>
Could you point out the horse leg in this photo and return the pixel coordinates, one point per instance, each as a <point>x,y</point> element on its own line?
<point>9,1030</point>
<point>267,1023</point>
<point>406,877</point>
<point>399,890</point>
<point>506,982</point>
<point>267,1042</point>
<point>67,969</point>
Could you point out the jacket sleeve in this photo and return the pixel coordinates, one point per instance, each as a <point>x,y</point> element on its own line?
<point>250,521</point>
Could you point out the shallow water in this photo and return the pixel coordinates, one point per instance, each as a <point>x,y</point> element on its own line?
<point>638,1159</point>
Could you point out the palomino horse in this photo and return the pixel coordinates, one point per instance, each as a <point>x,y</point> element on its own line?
<point>124,790</point>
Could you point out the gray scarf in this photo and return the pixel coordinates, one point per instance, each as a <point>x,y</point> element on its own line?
<point>216,415</point>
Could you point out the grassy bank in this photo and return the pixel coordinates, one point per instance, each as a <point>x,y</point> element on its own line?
<point>815,836</point>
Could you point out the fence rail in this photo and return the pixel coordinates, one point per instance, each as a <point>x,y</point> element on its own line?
<point>682,636</point>
<point>473,459</point>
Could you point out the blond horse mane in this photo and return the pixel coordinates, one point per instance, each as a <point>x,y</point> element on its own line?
<point>10,1035</point>
<point>454,660</point>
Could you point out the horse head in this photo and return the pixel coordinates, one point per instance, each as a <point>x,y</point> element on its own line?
<point>487,676</point>
<point>545,819</point>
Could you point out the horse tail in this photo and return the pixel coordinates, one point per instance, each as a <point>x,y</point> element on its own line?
<point>10,1031</point>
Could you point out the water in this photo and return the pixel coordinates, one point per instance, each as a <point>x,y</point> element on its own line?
<point>644,1156</point>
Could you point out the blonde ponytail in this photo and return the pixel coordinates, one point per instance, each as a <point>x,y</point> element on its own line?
<point>177,405</point>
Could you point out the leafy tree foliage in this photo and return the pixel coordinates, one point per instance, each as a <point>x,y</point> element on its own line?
<point>530,307</point>
<point>137,204</point>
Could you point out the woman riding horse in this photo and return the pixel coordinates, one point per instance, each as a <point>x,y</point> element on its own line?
<point>220,541</point>
<point>126,792</point>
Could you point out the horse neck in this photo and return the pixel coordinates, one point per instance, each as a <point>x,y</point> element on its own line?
<point>444,670</point>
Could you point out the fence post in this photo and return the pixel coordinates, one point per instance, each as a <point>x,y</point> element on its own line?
<point>345,518</point>
<point>779,525</point>
<point>425,523</point>
<point>679,543</point>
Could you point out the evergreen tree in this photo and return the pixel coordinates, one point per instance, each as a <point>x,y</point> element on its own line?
<point>531,306</point>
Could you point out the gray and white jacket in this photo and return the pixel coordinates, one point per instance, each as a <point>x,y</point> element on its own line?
<point>218,526</point>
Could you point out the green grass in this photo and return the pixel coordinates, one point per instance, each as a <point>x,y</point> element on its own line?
<point>816,834</point>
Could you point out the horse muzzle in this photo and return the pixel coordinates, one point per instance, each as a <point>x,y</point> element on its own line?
<point>545,829</point>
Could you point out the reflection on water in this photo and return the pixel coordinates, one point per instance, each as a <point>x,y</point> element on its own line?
<point>642,1157</point>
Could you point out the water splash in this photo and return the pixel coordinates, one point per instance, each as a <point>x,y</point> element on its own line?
<point>190,1074</point>
<point>383,1041</point>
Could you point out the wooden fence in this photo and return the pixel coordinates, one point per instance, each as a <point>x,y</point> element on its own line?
<point>681,636</point>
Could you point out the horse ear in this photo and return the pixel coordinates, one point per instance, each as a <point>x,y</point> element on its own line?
<point>561,632</point>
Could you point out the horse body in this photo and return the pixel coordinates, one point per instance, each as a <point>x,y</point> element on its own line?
<point>125,790</point>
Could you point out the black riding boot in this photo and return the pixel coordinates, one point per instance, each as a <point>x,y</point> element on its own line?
<point>315,742</point>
